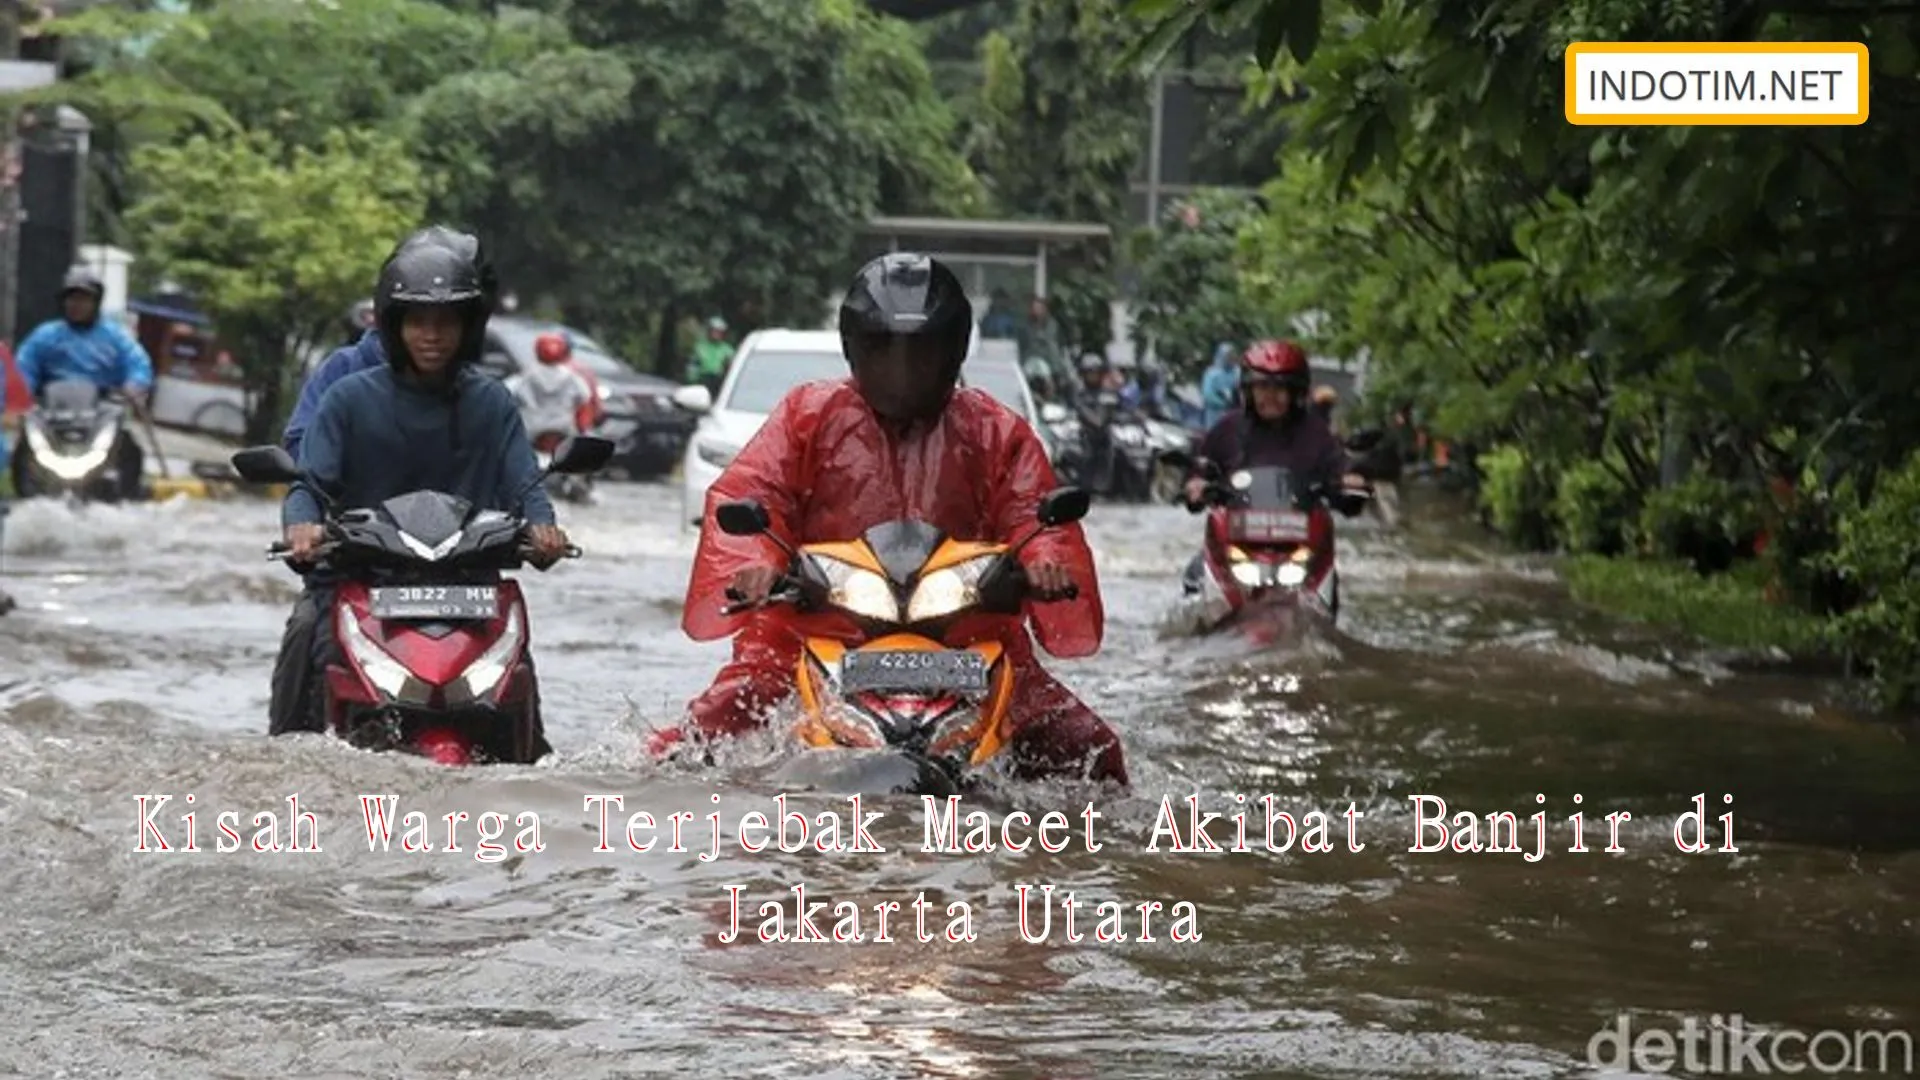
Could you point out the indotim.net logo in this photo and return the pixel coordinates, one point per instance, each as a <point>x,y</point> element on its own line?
<point>1729,1046</point>
<point>1713,83</point>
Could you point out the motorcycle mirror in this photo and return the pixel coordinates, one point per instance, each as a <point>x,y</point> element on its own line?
<point>745,517</point>
<point>266,465</point>
<point>581,455</point>
<point>1063,506</point>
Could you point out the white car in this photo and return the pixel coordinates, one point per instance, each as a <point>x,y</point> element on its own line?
<point>769,363</point>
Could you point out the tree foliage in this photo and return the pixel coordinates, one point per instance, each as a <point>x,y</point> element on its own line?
<point>1719,318</point>
<point>1189,296</point>
<point>275,242</point>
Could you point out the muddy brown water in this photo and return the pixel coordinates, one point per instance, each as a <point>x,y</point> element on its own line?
<point>137,665</point>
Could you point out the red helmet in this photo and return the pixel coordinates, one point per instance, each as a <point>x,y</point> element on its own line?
<point>552,348</point>
<point>1282,360</point>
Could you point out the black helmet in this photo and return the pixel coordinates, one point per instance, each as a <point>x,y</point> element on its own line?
<point>82,279</point>
<point>435,267</point>
<point>904,325</point>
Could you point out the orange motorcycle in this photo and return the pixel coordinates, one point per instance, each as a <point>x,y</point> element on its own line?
<point>908,689</point>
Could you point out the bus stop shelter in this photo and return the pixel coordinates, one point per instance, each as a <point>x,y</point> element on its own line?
<point>988,255</point>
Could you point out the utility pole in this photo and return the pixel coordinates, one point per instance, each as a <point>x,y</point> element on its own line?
<point>10,12</point>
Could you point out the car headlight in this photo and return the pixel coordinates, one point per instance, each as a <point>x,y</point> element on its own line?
<point>715,453</point>
<point>858,590</point>
<point>946,591</point>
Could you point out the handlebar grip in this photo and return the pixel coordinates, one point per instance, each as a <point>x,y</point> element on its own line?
<point>573,551</point>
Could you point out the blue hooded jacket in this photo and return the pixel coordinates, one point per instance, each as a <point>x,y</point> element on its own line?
<point>377,434</point>
<point>103,354</point>
<point>362,355</point>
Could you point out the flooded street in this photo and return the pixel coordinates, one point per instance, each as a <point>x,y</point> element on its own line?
<point>137,665</point>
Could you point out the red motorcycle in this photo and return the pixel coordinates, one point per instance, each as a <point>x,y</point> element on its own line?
<point>1268,555</point>
<point>433,642</point>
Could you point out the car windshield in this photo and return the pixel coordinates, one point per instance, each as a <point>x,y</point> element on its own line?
<point>1003,381</point>
<point>765,376</point>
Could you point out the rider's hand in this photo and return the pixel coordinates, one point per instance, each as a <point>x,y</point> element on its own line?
<point>548,543</point>
<point>136,396</point>
<point>1048,580</point>
<point>1196,490</point>
<point>303,541</point>
<point>754,584</point>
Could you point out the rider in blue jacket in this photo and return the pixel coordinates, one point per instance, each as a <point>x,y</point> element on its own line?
<point>80,346</point>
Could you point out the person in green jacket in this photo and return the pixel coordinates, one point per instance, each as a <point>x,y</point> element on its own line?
<point>711,355</point>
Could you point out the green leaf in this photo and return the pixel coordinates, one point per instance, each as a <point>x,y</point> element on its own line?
<point>1303,29</point>
<point>1271,32</point>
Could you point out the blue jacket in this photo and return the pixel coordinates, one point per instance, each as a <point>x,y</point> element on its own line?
<point>375,436</point>
<point>103,354</point>
<point>1217,390</point>
<point>348,359</point>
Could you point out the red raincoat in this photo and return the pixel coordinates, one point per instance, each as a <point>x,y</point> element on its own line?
<point>827,468</point>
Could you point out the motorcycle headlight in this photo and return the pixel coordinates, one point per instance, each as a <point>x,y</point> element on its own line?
<point>483,677</point>
<point>944,592</point>
<point>1250,574</point>
<point>1291,575</point>
<point>858,590</point>
<point>388,675</point>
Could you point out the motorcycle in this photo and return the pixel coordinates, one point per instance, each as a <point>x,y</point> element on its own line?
<point>894,702</point>
<point>1268,554</point>
<point>433,643</point>
<point>569,487</point>
<point>1134,463</point>
<point>67,444</point>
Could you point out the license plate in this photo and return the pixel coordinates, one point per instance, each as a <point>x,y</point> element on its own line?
<point>435,601</point>
<point>1259,525</point>
<point>951,671</point>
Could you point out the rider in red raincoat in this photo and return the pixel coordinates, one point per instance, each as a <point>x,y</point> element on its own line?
<point>897,440</point>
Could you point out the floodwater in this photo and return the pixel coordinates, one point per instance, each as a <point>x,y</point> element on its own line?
<point>137,665</point>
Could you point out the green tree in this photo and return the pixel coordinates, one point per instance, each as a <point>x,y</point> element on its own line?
<point>1641,301</point>
<point>695,155</point>
<point>1189,295</point>
<point>274,241</point>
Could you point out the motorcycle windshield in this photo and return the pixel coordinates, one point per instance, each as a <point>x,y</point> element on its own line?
<point>70,396</point>
<point>1269,488</point>
<point>430,517</point>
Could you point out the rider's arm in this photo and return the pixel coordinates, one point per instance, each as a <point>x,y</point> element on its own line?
<point>1021,479</point>
<point>329,372</point>
<point>135,366</point>
<point>32,357</point>
<point>1215,446</point>
<point>321,459</point>
<point>519,469</point>
<point>771,469</point>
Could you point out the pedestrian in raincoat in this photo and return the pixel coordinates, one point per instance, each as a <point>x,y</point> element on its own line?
<point>897,441</point>
<point>1220,386</point>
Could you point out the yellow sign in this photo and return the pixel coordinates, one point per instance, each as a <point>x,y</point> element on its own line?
<point>1717,82</point>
